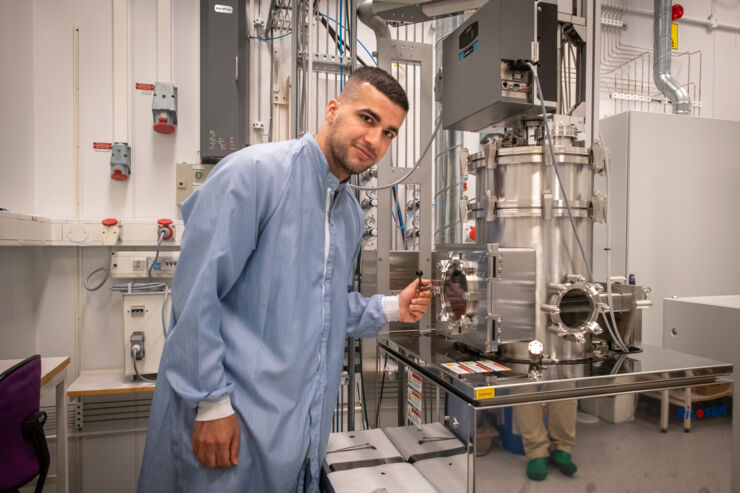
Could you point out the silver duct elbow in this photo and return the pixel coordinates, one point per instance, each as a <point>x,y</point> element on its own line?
<point>378,25</point>
<point>664,81</point>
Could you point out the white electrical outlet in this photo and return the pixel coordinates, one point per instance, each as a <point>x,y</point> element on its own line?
<point>135,265</point>
<point>142,312</point>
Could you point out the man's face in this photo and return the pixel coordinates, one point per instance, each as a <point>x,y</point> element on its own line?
<point>360,130</point>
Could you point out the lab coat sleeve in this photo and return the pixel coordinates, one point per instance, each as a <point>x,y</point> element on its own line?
<point>365,316</point>
<point>222,224</point>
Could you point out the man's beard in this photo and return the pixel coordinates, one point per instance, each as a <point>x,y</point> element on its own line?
<point>339,152</point>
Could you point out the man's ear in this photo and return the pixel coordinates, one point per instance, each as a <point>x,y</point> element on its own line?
<point>331,111</point>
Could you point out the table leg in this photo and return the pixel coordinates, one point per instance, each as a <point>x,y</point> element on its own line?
<point>61,405</point>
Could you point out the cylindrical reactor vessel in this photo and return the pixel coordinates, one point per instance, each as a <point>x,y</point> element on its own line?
<point>521,205</point>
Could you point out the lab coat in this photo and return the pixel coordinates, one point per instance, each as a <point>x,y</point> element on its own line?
<point>261,310</point>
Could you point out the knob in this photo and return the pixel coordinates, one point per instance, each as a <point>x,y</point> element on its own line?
<point>368,203</point>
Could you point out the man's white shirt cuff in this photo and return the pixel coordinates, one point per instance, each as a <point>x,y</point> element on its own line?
<point>208,411</point>
<point>391,308</point>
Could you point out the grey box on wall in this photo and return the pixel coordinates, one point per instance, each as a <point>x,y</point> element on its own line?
<point>484,78</point>
<point>224,78</point>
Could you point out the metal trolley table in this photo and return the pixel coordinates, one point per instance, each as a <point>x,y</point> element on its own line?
<point>619,452</point>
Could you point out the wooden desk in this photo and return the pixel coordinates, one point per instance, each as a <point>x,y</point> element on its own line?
<point>54,377</point>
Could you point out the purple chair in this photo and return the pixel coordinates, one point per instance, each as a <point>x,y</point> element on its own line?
<point>23,450</point>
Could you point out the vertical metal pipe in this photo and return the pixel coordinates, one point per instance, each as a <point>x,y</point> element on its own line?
<point>664,81</point>
<point>447,146</point>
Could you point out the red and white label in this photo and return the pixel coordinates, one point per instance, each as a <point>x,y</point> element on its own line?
<point>493,366</point>
<point>476,367</point>
<point>415,381</point>
<point>141,86</point>
<point>457,368</point>
<point>414,398</point>
<point>414,415</point>
<point>102,146</point>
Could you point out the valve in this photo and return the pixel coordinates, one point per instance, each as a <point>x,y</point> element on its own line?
<point>111,231</point>
<point>369,203</point>
<point>168,228</point>
<point>164,107</point>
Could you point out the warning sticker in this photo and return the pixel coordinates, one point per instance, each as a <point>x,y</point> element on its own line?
<point>485,393</point>
<point>674,36</point>
<point>140,86</point>
<point>415,380</point>
<point>457,368</point>
<point>102,146</point>
<point>414,415</point>
<point>414,398</point>
<point>493,366</point>
<point>476,367</point>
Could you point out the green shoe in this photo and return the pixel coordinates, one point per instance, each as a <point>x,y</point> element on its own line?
<point>564,462</point>
<point>537,468</point>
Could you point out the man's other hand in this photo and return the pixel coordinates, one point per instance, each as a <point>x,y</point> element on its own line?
<point>414,303</point>
<point>216,442</point>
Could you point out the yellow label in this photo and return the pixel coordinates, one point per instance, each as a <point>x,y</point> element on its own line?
<point>485,393</point>
<point>674,36</point>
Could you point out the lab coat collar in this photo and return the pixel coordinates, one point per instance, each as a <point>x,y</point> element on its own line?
<point>322,164</point>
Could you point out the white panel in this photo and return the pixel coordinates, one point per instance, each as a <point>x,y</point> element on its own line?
<point>55,299</point>
<point>52,106</point>
<point>186,76</point>
<point>17,302</point>
<point>682,203</point>
<point>102,332</point>
<point>726,76</point>
<point>100,473</point>
<point>16,101</point>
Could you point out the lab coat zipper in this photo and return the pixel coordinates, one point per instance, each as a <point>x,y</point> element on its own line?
<point>327,246</point>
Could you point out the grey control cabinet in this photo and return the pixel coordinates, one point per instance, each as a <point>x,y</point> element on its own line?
<point>224,78</point>
<point>484,76</point>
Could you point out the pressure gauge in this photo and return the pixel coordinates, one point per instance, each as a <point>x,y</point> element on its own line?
<point>535,348</point>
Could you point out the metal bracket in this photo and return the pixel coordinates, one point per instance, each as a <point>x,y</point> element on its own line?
<point>464,161</point>
<point>464,209</point>
<point>547,204</point>
<point>78,414</point>
<point>490,206</point>
<point>598,207</point>
<point>599,155</point>
<point>490,149</point>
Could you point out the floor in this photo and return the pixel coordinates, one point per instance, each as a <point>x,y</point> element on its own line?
<point>629,457</point>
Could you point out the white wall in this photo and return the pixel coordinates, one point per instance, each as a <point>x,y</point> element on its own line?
<point>720,50</point>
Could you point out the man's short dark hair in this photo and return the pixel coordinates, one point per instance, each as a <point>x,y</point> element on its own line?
<point>380,80</point>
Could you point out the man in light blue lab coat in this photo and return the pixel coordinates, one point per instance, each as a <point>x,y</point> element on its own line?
<point>250,371</point>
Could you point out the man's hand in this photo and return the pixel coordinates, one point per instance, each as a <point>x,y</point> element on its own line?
<point>216,442</point>
<point>414,303</point>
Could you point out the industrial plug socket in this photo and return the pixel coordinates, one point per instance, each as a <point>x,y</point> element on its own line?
<point>164,107</point>
<point>120,161</point>
<point>111,231</point>
<point>167,228</point>
<point>137,345</point>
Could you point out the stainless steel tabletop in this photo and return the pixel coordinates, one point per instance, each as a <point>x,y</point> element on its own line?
<point>653,368</point>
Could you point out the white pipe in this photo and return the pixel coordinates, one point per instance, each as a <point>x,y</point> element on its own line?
<point>164,41</point>
<point>708,23</point>
<point>664,81</point>
<point>120,70</point>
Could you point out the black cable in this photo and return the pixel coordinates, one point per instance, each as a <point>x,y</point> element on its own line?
<point>134,352</point>
<point>105,269</point>
<point>162,234</point>
<point>382,385</point>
